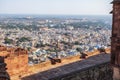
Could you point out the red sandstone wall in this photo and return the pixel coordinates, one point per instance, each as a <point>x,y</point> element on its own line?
<point>3,48</point>
<point>17,64</point>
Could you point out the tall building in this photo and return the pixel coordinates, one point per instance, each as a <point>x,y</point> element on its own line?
<point>115,40</point>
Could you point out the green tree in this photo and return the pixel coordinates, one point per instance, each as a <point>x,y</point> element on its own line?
<point>24,39</point>
<point>76,43</point>
<point>8,41</point>
<point>79,50</point>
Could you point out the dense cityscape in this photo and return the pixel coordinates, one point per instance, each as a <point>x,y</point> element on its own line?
<point>59,40</point>
<point>55,36</point>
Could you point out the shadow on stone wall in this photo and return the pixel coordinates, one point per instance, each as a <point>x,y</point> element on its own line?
<point>3,73</point>
<point>93,68</point>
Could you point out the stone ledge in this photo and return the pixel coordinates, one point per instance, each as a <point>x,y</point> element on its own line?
<point>71,68</point>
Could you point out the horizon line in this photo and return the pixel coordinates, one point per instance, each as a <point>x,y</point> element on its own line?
<point>53,14</point>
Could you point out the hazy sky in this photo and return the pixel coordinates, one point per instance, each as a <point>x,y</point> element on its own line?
<point>78,7</point>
